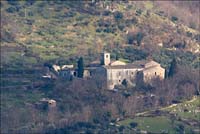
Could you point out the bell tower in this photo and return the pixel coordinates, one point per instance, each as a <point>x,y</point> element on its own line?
<point>105,59</point>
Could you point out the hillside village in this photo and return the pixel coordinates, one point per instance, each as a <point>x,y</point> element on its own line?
<point>114,72</point>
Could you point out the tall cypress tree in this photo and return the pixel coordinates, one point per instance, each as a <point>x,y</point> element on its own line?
<point>173,68</point>
<point>117,57</point>
<point>80,67</point>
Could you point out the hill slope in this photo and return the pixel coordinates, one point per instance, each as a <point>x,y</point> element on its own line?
<point>58,30</point>
<point>38,33</point>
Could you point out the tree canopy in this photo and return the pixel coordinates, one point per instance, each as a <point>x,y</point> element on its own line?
<point>173,68</point>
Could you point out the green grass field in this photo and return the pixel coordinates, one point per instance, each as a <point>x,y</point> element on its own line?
<point>151,124</point>
<point>155,124</point>
<point>188,110</point>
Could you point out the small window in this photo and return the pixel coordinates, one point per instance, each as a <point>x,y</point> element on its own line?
<point>74,73</point>
<point>106,56</point>
<point>119,80</point>
<point>155,73</point>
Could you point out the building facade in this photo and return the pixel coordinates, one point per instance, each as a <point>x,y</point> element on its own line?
<point>115,72</point>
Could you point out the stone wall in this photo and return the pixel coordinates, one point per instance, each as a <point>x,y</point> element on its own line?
<point>116,76</point>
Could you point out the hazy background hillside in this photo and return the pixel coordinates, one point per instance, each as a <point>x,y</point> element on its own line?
<point>46,31</point>
<point>37,34</point>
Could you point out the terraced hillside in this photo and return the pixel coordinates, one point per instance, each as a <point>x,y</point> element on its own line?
<point>59,30</point>
<point>37,34</point>
<point>34,33</point>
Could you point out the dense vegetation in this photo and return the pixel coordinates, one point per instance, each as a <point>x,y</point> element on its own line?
<point>37,34</point>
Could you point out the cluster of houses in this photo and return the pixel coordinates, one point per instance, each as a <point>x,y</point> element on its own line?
<point>114,73</point>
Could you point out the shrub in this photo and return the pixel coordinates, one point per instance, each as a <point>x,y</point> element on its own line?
<point>30,13</point>
<point>197,37</point>
<point>193,25</point>
<point>180,45</point>
<point>13,2</point>
<point>68,14</point>
<point>121,27</point>
<point>118,15</point>
<point>29,2</point>
<point>129,6</point>
<point>161,13</point>
<point>180,129</point>
<point>131,37</point>
<point>42,4</point>
<point>133,124</point>
<point>106,13</point>
<point>104,23</point>
<point>11,9</point>
<point>22,14</point>
<point>132,21</point>
<point>139,37</point>
<point>121,128</point>
<point>30,22</point>
<point>174,18</point>
<point>125,94</point>
<point>124,82</point>
<point>138,12</point>
<point>109,30</point>
<point>81,17</point>
<point>189,34</point>
<point>7,36</point>
<point>134,54</point>
<point>98,30</point>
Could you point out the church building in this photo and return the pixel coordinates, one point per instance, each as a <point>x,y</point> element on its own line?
<point>115,72</point>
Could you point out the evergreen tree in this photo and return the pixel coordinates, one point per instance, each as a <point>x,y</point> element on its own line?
<point>117,57</point>
<point>173,68</point>
<point>80,67</point>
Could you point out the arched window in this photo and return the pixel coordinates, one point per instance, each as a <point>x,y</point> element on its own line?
<point>155,73</point>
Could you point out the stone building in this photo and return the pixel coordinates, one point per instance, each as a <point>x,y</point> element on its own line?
<point>115,72</point>
<point>45,104</point>
<point>153,69</point>
<point>69,73</point>
<point>65,71</point>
